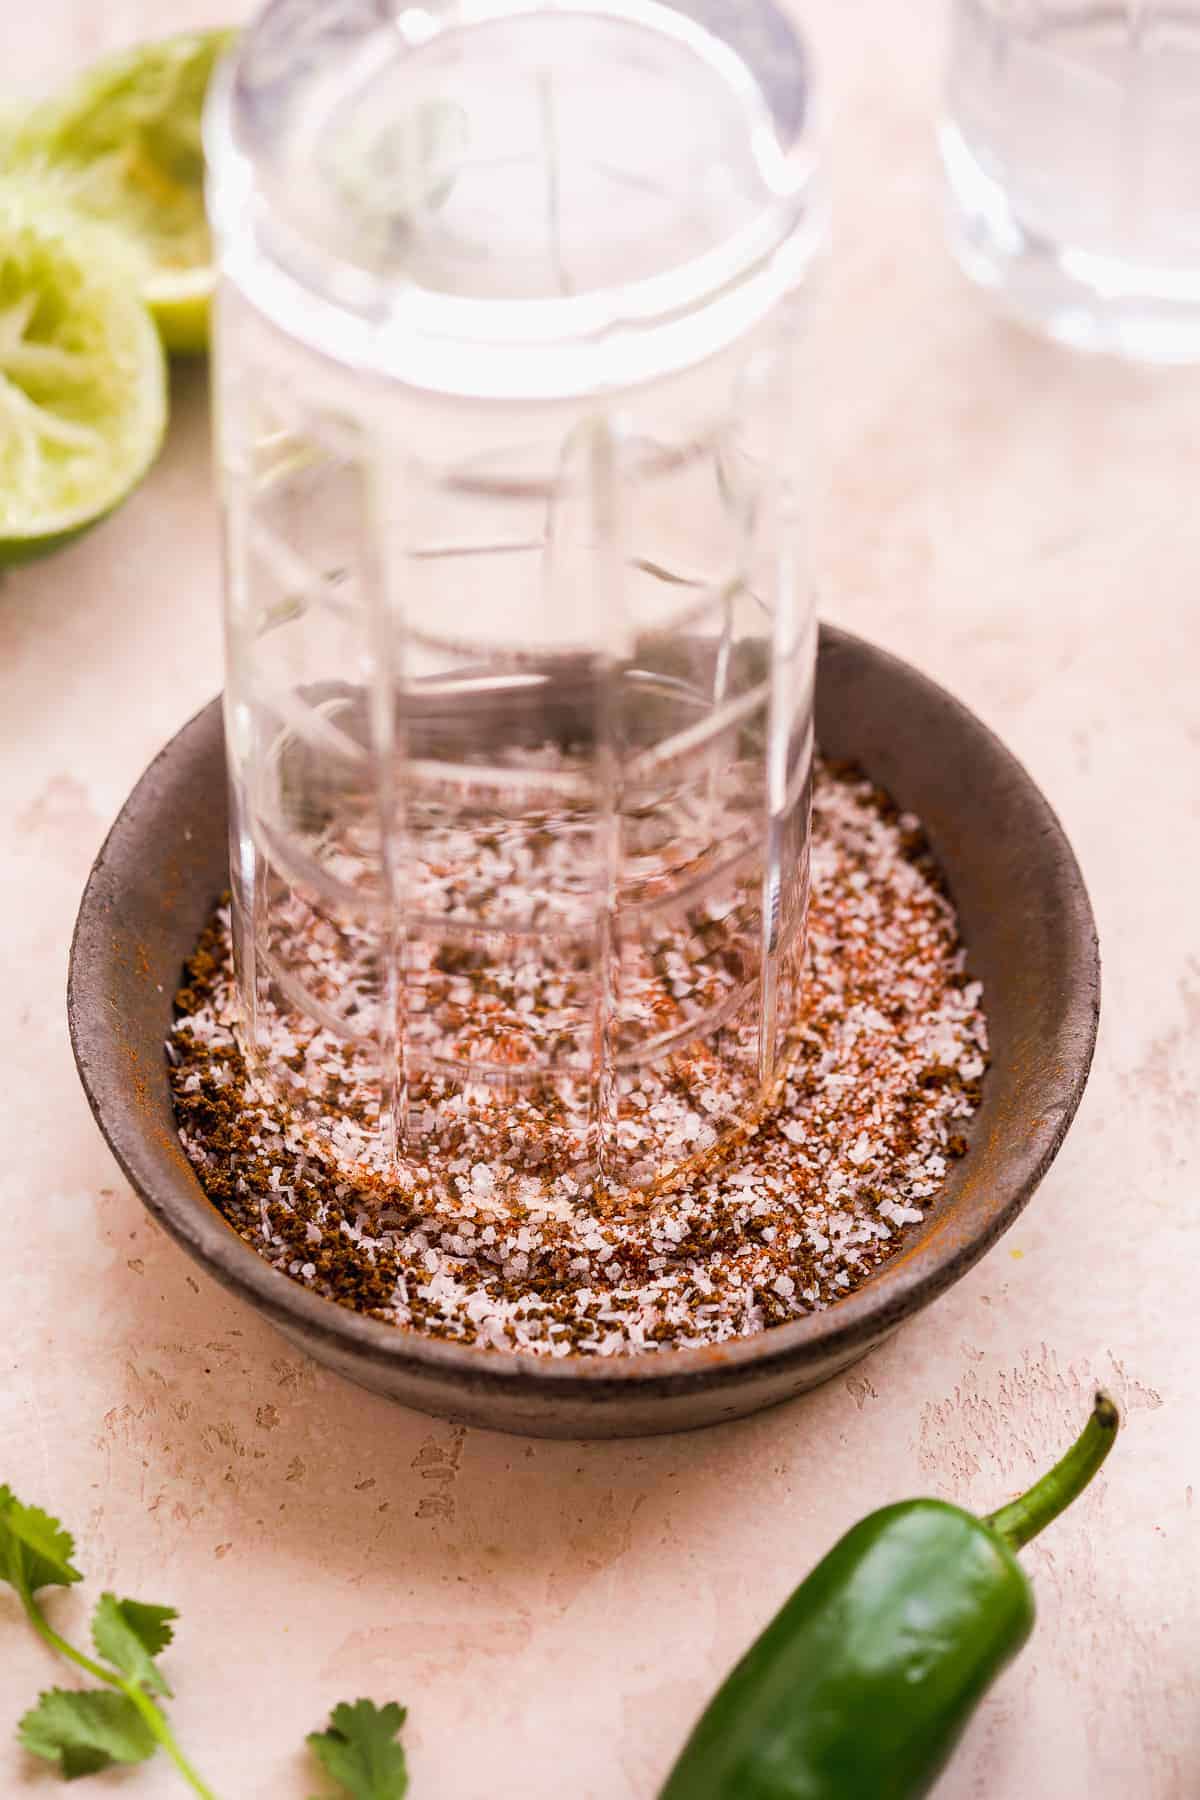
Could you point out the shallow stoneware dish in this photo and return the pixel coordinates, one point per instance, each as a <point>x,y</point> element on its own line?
<point>1030,934</point>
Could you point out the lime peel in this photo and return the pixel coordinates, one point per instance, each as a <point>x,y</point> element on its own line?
<point>122,147</point>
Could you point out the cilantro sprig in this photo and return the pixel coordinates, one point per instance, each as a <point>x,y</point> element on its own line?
<point>86,1730</point>
<point>359,1750</point>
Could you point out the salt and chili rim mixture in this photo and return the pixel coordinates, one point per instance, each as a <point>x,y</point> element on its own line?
<point>886,1077</point>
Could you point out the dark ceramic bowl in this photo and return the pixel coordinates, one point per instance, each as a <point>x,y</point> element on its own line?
<point>1031,937</point>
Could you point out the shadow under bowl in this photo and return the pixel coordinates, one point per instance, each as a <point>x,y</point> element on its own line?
<point>1028,926</point>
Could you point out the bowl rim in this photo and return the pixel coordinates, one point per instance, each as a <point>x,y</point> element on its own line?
<point>900,1287</point>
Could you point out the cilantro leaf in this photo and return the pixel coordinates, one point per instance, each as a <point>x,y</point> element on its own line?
<point>130,1635</point>
<point>359,1750</point>
<point>35,1551</point>
<point>85,1731</point>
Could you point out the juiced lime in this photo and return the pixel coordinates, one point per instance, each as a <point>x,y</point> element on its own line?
<point>122,143</point>
<point>83,391</point>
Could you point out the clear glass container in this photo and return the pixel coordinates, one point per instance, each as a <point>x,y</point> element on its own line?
<point>1071,146</point>
<point>520,647</point>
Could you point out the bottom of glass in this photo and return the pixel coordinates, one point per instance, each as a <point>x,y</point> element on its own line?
<point>1103,304</point>
<point>499,1150</point>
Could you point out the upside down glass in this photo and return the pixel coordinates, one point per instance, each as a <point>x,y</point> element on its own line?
<point>520,646</point>
<point>1071,145</point>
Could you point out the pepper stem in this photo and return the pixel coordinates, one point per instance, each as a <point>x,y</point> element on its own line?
<point>1031,1512</point>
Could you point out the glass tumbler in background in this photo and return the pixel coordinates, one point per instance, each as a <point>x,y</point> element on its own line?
<point>1071,146</point>
<point>520,647</point>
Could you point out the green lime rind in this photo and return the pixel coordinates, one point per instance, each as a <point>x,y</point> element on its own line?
<point>122,144</point>
<point>83,387</point>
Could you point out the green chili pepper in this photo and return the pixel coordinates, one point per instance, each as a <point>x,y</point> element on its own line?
<point>861,1686</point>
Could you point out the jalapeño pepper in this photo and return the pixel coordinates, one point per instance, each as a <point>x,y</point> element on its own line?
<point>861,1686</point>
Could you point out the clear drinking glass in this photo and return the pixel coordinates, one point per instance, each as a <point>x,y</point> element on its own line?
<point>1071,145</point>
<point>519,639</point>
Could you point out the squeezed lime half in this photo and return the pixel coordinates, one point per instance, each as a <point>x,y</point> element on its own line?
<point>83,389</point>
<point>122,145</point>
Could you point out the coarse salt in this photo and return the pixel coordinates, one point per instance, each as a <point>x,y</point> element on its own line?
<point>489,1248</point>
